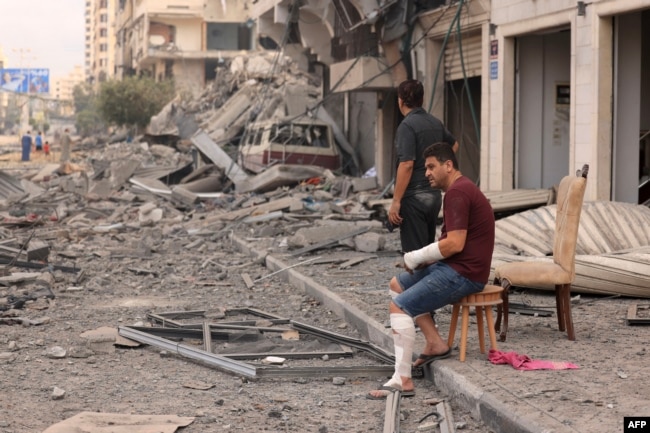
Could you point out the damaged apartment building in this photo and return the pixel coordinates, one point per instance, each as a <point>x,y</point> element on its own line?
<point>184,39</point>
<point>532,90</point>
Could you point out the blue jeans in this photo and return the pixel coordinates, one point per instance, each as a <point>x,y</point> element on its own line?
<point>431,288</point>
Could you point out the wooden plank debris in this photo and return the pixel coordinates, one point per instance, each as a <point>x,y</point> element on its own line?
<point>632,315</point>
<point>248,281</point>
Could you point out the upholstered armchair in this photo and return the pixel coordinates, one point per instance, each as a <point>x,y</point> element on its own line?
<point>559,273</point>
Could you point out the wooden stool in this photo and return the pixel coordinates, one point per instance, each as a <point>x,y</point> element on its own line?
<point>481,301</point>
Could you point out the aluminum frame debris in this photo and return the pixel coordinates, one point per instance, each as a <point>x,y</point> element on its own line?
<point>205,331</point>
<point>210,359</point>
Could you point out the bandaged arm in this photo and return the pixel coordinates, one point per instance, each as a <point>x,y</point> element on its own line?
<point>430,253</point>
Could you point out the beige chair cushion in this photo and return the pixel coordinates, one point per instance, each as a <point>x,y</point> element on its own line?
<point>533,274</point>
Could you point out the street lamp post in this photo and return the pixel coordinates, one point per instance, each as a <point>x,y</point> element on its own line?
<point>24,100</point>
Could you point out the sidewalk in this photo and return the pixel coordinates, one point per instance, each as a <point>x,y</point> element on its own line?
<point>611,383</point>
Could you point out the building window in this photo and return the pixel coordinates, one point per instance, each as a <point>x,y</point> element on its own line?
<point>103,4</point>
<point>103,18</point>
<point>103,47</point>
<point>103,33</point>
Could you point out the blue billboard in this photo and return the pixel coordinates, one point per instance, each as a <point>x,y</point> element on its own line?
<point>25,80</point>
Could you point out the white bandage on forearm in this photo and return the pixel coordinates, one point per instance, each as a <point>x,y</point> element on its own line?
<point>428,254</point>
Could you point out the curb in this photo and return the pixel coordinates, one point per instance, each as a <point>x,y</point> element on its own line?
<point>483,405</point>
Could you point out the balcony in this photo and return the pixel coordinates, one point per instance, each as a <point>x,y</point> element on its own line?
<point>172,8</point>
<point>364,73</point>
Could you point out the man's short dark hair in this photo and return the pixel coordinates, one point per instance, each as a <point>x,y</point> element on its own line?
<point>442,152</point>
<point>411,92</point>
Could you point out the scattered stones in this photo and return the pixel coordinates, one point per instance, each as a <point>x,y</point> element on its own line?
<point>58,393</point>
<point>56,352</point>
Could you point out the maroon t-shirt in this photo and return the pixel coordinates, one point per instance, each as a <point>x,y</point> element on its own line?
<point>466,208</point>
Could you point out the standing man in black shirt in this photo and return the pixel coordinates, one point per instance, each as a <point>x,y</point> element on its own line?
<point>416,205</point>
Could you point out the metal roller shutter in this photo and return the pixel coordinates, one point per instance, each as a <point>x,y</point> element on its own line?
<point>471,48</point>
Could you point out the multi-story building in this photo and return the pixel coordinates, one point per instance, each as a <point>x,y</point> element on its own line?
<point>61,90</point>
<point>4,96</point>
<point>88,39</point>
<point>180,39</point>
<point>100,40</point>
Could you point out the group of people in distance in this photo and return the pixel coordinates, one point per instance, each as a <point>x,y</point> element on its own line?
<point>436,273</point>
<point>37,144</point>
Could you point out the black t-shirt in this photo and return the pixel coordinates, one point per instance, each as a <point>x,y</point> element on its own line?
<point>415,133</point>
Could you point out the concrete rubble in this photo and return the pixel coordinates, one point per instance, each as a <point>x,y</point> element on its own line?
<point>132,197</point>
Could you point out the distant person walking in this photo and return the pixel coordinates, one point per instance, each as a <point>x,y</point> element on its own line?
<point>46,149</point>
<point>65,146</point>
<point>39,141</point>
<point>26,143</point>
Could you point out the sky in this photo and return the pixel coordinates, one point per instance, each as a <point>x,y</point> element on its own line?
<point>43,34</point>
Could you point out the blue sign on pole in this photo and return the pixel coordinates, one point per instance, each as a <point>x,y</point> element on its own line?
<point>25,80</point>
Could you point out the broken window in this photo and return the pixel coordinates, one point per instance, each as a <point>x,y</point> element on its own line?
<point>349,44</point>
<point>161,34</point>
<point>229,36</point>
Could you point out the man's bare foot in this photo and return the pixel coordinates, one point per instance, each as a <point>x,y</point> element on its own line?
<point>383,392</point>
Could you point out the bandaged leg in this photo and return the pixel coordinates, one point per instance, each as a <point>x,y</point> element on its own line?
<point>404,339</point>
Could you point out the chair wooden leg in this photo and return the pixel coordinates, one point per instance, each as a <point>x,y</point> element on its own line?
<point>502,309</point>
<point>566,304</point>
<point>453,324</point>
<point>497,323</point>
<point>479,327</point>
<point>559,303</point>
<point>463,333</point>
<point>490,326</point>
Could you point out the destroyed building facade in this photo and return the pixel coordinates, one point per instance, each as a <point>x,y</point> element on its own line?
<point>532,91</point>
<point>526,87</point>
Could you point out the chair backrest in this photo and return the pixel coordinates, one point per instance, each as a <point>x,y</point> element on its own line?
<point>570,196</point>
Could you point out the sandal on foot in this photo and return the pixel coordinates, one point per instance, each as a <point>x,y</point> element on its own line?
<point>386,390</point>
<point>428,359</point>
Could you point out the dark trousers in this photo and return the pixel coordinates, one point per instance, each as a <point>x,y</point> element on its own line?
<point>420,215</point>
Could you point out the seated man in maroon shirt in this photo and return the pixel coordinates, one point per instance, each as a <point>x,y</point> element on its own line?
<point>442,272</point>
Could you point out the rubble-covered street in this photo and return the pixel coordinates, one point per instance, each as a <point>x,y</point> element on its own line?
<point>158,283</point>
<point>88,251</point>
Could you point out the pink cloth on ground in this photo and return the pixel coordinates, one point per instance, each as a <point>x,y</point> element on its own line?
<point>524,362</point>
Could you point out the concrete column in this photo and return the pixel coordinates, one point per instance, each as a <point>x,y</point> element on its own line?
<point>600,101</point>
